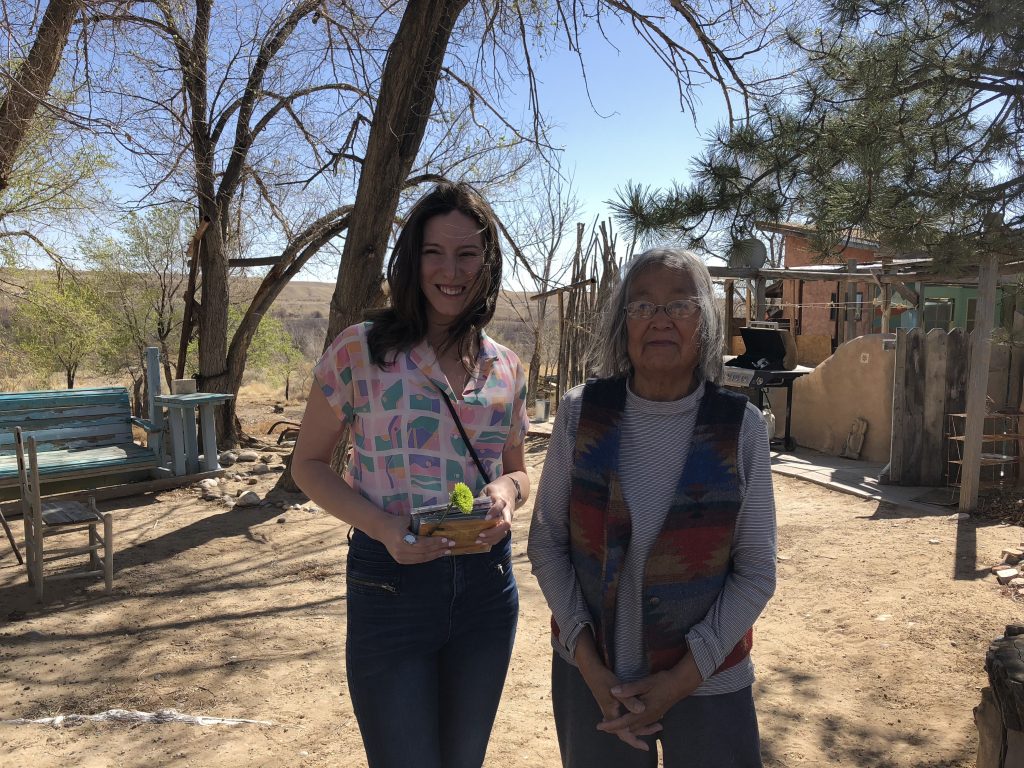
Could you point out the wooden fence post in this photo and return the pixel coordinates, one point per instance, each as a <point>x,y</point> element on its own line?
<point>933,427</point>
<point>977,384</point>
<point>898,408</point>
<point>851,302</point>
<point>156,413</point>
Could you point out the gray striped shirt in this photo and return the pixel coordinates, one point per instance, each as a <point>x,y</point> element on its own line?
<point>655,443</point>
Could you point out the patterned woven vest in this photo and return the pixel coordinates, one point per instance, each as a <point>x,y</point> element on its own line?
<point>691,557</point>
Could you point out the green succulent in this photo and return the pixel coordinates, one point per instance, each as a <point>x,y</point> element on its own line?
<point>462,498</point>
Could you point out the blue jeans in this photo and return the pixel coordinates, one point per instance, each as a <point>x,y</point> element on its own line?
<point>427,650</point>
<point>699,731</point>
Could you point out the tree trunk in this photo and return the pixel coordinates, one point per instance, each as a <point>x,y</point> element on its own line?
<point>32,82</point>
<point>400,119</point>
<point>533,377</point>
<point>139,395</point>
<point>213,326</point>
<point>212,312</point>
<point>165,355</point>
<point>292,260</point>
<point>407,91</point>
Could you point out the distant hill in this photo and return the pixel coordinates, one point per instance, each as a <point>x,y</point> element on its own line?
<point>303,298</point>
<point>304,307</point>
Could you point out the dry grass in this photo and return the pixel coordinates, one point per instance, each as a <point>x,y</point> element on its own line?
<point>261,392</point>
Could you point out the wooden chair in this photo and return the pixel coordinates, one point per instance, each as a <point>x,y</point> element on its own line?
<point>46,519</point>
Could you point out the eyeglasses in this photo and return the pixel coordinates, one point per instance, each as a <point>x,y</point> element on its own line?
<point>676,310</point>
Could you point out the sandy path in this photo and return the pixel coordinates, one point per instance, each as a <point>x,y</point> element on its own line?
<point>870,654</point>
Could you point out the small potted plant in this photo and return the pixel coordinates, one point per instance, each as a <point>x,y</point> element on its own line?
<point>461,528</point>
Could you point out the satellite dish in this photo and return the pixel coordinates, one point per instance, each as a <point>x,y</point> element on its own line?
<point>748,254</point>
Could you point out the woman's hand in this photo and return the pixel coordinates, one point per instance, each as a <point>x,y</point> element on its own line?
<point>503,504</point>
<point>656,693</point>
<point>602,682</point>
<point>504,495</point>
<point>391,530</point>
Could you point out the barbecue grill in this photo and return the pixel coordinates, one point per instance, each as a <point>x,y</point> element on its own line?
<point>769,360</point>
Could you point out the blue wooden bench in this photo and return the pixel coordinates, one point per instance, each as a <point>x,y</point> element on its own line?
<point>79,433</point>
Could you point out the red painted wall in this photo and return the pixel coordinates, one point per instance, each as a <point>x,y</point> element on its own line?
<point>814,318</point>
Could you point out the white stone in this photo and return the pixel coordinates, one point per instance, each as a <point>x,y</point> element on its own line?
<point>934,541</point>
<point>959,516</point>
<point>208,484</point>
<point>247,456</point>
<point>1006,575</point>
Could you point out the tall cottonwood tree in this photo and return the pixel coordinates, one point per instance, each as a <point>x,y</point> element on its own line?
<point>400,119</point>
<point>232,107</point>
<point>513,32</point>
<point>235,108</point>
<point>262,122</point>
<point>50,171</point>
<point>28,80</point>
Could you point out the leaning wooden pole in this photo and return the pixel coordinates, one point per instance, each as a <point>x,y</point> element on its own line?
<point>188,318</point>
<point>977,384</point>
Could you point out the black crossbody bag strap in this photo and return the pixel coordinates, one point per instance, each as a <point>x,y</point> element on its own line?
<point>465,437</point>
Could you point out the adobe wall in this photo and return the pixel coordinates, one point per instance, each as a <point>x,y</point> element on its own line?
<point>855,382</point>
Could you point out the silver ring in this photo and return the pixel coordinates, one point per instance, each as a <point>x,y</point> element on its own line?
<point>409,538</point>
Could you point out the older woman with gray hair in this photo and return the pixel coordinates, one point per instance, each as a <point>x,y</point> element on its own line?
<point>653,536</point>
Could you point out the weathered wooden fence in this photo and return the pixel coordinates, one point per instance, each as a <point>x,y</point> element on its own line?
<point>594,272</point>
<point>930,382</point>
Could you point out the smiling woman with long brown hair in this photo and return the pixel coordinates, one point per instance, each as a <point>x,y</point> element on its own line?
<point>429,634</point>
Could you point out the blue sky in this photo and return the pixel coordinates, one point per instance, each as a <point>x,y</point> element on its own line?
<point>635,128</point>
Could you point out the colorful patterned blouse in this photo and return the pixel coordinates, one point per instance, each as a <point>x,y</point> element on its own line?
<point>406,450</point>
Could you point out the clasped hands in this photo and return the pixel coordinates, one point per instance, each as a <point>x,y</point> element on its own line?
<point>632,710</point>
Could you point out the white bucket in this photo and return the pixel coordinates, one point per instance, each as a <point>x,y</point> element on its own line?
<point>183,386</point>
<point>542,410</point>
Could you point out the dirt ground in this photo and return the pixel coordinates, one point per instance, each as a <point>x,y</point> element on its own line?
<point>870,654</point>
